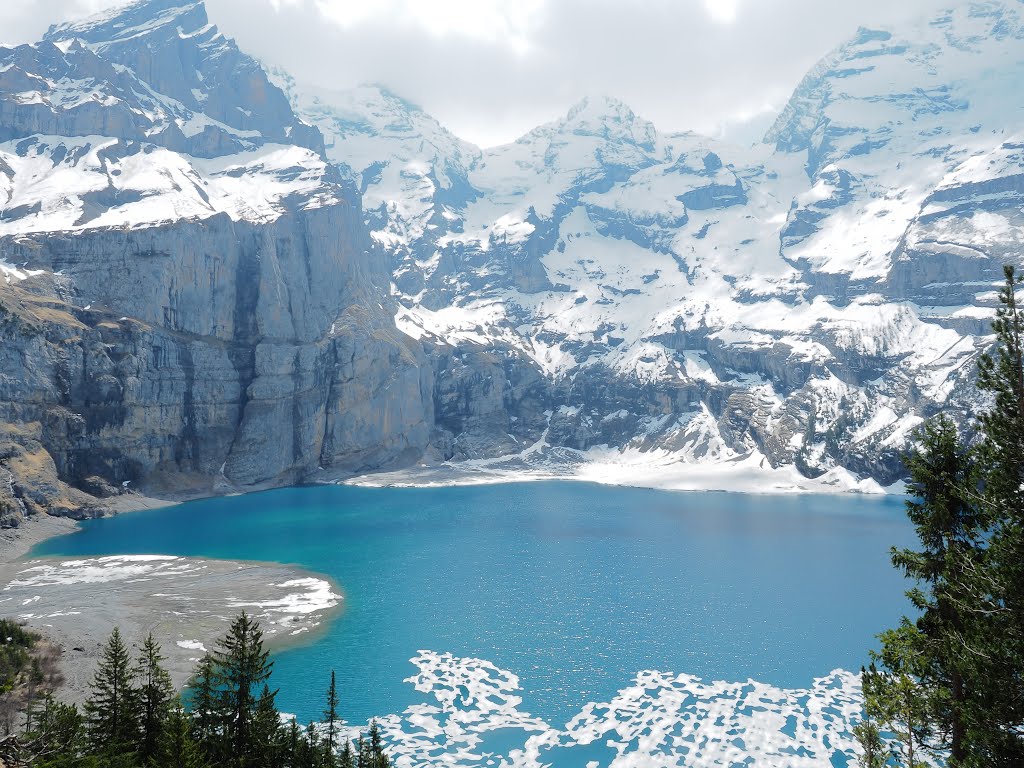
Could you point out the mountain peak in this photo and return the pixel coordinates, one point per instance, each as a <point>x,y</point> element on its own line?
<point>135,19</point>
<point>386,94</point>
<point>602,117</point>
<point>600,107</point>
<point>177,52</point>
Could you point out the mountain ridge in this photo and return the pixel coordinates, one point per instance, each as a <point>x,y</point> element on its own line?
<point>596,293</point>
<point>177,302</point>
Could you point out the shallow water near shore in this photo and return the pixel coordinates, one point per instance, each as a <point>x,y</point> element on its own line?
<point>574,588</point>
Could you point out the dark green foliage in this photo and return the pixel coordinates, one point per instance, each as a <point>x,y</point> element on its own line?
<point>873,751</point>
<point>362,752</point>
<point>112,711</point>
<point>331,720</point>
<point>314,747</point>
<point>28,672</point>
<point>294,744</point>
<point>304,748</point>
<point>15,644</point>
<point>346,758</point>
<point>1002,376</point>
<point>370,754</point>
<point>155,696</point>
<point>894,698</point>
<point>229,717</point>
<point>54,737</point>
<point>241,668</point>
<point>202,698</point>
<point>951,682</point>
<point>379,759</point>
<point>267,736</point>
<point>948,635</point>
<point>177,748</point>
<point>1002,581</point>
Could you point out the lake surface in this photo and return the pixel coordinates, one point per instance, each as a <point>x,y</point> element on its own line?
<point>574,588</point>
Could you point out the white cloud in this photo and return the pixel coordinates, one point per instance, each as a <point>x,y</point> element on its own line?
<point>493,69</point>
<point>723,11</point>
<point>498,22</point>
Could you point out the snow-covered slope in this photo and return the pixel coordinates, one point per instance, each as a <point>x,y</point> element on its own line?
<point>883,120</point>
<point>596,291</point>
<point>173,47</point>
<point>88,143</point>
<point>411,171</point>
<point>806,302</point>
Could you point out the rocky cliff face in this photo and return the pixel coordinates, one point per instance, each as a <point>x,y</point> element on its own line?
<point>183,324</point>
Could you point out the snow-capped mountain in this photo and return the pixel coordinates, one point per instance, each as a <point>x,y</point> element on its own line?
<point>187,298</point>
<point>89,144</point>
<point>807,302</point>
<point>173,47</point>
<point>883,121</point>
<point>411,171</point>
<point>196,254</point>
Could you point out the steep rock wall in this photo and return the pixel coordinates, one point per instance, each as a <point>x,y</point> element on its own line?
<point>206,355</point>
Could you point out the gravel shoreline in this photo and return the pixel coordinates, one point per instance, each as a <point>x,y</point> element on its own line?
<point>186,603</point>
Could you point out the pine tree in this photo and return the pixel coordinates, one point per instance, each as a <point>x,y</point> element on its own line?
<point>242,666</point>
<point>893,697</point>
<point>112,710</point>
<point>176,747</point>
<point>203,701</point>
<point>950,529</point>
<point>293,741</point>
<point>304,748</point>
<point>872,749</point>
<point>363,757</point>
<point>155,695</point>
<point>346,759</point>
<point>376,747</point>
<point>954,674</point>
<point>331,721</point>
<point>1002,375</point>
<point>1000,736</point>
<point>54,737</point>
<point>268,743</point>
<point>314,746</point>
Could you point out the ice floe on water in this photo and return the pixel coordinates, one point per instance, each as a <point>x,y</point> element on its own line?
<point>473,715</point>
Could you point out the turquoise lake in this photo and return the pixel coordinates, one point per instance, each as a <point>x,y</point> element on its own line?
<point>575,588</point>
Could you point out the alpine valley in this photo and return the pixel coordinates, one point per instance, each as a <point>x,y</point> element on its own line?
<point>213,278</point>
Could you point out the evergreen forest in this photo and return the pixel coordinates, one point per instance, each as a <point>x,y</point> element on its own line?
<point>227,717</point>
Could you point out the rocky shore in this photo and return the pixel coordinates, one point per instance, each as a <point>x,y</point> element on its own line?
<point>186,603</point>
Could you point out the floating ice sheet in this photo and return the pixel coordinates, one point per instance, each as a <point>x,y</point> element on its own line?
<point>472,715</point>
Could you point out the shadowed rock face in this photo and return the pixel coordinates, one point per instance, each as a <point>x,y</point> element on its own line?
<point>172,47</point>
<point>209,352</point>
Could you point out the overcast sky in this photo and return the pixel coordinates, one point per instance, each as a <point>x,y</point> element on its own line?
<point>492,69</point>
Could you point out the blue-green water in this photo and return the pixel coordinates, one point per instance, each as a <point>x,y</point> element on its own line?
<point>573,587</point>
